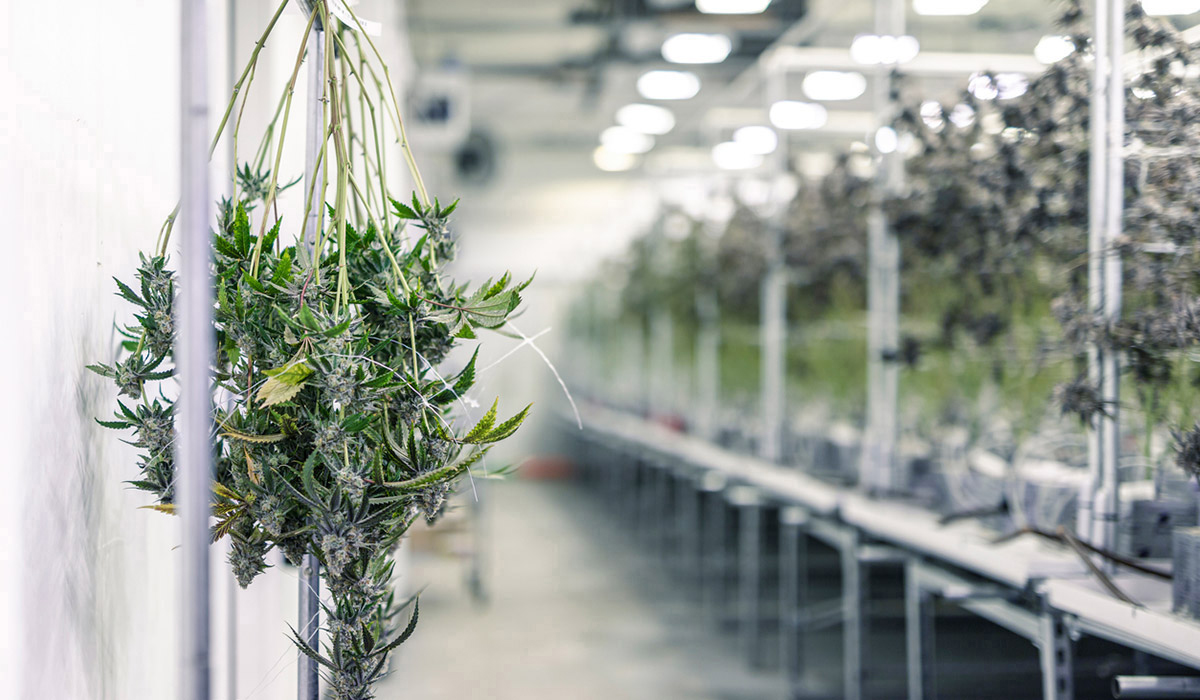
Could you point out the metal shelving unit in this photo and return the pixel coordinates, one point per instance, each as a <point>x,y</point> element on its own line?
<point>1035,590</point>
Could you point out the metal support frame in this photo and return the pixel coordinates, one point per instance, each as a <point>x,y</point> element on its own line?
<point>687,519</point>
<point>749,506</point>
<point>1057,657</point>
<point>773,304</point>
<point>878,473</point>
<point>793,591</point>
<point>708,352</point>
<point>774,346</point>
<point>921,647</point>
<point>1047,628</point>
<point>195,349</point>
<point>713,554</point>
<point>1100,505</point>
<point>1157,687</point>
<point>309,591</point>
<point>855,628</point>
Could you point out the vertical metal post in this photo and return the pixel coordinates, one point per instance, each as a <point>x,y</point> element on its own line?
<point>194,352</point>
<point>309,591</point>
<point>793,590</point>
<point>231,585</point>
<point>314,130</point>
<point>773,305</point>
<point>854,618</point>
<point>662,356</point>
<point>308,681</point>
<point>883,289</point>
<point>1055,655</point>
<point>708,357</point>
<point>1100,506</point>
<point>750,567</point>
<point>919,628</point>
<point>1107,510</point>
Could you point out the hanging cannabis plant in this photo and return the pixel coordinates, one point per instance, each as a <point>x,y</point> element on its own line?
<point>335,428</point>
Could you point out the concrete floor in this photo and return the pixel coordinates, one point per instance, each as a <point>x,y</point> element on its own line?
<point>576,612</point>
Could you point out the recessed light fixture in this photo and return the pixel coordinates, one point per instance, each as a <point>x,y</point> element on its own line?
<point>696,48</point>
<point>735,156</point>
<point>834,86</point>
<point>611,162</point>
<point>1053,48</point>
<point>732,7</point>
<point>1162,8</point>
<point>948,8</point>
<point>760,140</point>
<point>874,50</point>
<point>622,139</point>
<point>668,85</point>
<point>648,119</point>
<point>791,114</point>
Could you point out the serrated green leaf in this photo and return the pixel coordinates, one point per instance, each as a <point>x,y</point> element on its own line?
<point>283,269</point>
<point>484,426</point>
<point>308,320</point>
<point>103,370</point>
<point>127,292</point>
<point>241,231</point>
<point>508,427</point>
<point>269,239</point>
<point>403,210</point>
<point>225,248</point>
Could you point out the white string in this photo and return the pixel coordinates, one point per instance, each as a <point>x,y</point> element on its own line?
<point>557,376</point>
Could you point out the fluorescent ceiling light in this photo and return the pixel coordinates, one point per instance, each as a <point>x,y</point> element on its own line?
<point>732,7</point>
<point>1002,86</point>
<point>622,139</point>
<point>696,48</point>
<point>760,140</point>
<point>734,156</point>
<point>833,86</point>
<point>962,115</point>
<point>648,119</point>
<point>611,162</point>
<point>790,114</point>
<point>932,115</point>
<point>886,140</point>
<point>668,85</point>
<point>1170,7</point>
<point>948,8</point>
<point>1053,48</point>
<point>873,50</point>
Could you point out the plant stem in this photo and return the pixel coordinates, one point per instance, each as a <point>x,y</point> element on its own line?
<point>387,73</point>
<point>287,110</point>
<point>165,232</point>
<point>337,123</point>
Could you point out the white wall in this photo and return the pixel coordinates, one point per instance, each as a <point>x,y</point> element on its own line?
<point>89,144</point>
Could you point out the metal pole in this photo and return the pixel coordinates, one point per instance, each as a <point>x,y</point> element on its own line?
<point>1055,654</point>
<point>194,352</point>
<point>231,585</point>
<point>314,135</point>
<point>309,593</point>
<point>1107,511</point>
<point>773,309</point>
<point>1156,687</point>
<point>1101,504</point>
<point>1097,168</point>
<point>883,289</point>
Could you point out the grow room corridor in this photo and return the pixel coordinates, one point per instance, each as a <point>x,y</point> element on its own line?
<point>600,349</point>
<point>572,611</point>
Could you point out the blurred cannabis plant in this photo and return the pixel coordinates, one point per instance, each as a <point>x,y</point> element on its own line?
<point>335,429</point>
